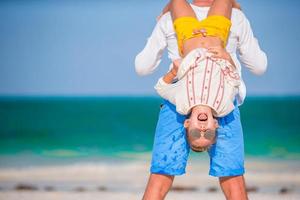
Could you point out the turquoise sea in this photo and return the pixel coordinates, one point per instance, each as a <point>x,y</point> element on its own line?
<point>109,127</point>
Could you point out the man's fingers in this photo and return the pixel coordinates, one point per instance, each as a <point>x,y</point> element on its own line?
<point>159,16</point>
<point>236,5</point>
<point>216,47</point>
<point>214,51</point>
<point>216,56</point>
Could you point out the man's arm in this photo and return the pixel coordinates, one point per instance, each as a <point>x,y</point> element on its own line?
<point>149,58</point>
<point>249,50</point>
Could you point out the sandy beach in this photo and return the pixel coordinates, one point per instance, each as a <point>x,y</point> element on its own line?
<point>266,180</point>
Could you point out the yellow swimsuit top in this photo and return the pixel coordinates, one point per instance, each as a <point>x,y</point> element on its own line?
<point>215,25</point>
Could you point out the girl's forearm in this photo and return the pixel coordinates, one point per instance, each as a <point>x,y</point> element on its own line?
<point>169,77</point>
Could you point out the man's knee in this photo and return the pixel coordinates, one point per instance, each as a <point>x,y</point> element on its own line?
<point>234,187</point>
<point>231,177</point>
<point>158,186</point>
<point>232,180</point>
<point>161,181</point>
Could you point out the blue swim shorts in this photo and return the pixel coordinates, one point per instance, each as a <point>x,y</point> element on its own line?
<point>171,149</point>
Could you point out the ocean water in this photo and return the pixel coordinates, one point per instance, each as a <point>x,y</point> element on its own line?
<point>87,127</point>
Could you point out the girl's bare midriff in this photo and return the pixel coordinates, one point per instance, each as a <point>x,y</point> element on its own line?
<point>200,42</point>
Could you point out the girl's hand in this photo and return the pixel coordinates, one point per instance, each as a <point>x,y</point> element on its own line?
<point>170,76</point>
<point>176,64</point>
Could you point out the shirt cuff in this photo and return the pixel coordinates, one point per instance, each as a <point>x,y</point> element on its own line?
<point>163,83</point>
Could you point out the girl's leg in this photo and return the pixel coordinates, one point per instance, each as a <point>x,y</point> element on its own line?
<point>181,8</point>
<point>221,7</point>
<point>185,24</point>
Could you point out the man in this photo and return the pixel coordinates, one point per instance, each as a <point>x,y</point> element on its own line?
<point>227,155</point>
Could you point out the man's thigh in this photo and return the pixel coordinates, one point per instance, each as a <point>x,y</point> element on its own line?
<point>227,154</point>
<point>170,149</point>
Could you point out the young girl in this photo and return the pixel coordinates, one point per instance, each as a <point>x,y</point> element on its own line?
<point>207,79</point>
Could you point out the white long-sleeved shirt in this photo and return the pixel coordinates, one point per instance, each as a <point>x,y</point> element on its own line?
<point>241,40</point>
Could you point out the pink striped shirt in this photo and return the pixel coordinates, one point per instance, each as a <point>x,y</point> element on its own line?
<point>202,80</point>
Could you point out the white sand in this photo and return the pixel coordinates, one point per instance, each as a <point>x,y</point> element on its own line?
<point>130,196</point>
<point>127,181</point>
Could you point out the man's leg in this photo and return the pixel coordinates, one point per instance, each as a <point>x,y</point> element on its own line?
<point>234,187</point>
<point>170,152</point>
<point>158,186</point>
<point>227,157</point>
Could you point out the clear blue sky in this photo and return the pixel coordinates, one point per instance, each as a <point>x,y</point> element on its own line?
<point>87,47</point>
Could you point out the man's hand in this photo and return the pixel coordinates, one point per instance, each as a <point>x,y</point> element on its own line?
<point>164,11</point>
<point>235,4</point>
<point>221,53</point>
